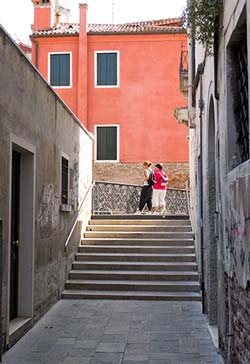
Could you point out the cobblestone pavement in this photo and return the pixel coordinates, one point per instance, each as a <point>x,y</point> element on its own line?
<point>117,332</point>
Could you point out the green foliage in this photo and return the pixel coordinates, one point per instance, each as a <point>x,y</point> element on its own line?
<point>201,18</point>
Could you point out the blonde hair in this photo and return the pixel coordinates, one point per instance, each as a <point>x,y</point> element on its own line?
<point>147,163</point>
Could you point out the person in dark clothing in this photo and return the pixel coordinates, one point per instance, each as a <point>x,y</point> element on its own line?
<point>147,191</point>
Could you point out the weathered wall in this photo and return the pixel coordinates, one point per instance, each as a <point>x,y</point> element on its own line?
<point>178,173</point>
<point>31,112</point>
<point>226,198</point>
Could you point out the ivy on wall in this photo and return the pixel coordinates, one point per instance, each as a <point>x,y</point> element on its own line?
<point>201,18</point>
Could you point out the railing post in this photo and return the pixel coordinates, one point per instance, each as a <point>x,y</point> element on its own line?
<point>1,286</point>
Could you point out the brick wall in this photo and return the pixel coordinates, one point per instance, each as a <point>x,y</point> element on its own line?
<point>178,173</point>
<point>240,323</point>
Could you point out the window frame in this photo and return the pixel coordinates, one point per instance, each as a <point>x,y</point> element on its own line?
<point>70,69</point>
<point>118,143</point>
<point>118,69</point>
<point>65,156</point>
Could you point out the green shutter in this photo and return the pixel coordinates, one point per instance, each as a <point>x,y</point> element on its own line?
<point>60,70</point>
<point>106,69</point>
<point>107,143</point>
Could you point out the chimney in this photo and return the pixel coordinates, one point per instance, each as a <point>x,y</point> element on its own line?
<point>44,14</point>
<point>83,18</point>
<point>57,18</point>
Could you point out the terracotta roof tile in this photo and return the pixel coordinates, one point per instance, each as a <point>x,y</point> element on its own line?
<point>173,25</point>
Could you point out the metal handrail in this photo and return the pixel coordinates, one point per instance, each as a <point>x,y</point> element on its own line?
<point>189,206</point>
<point>79,211</point>
<point>135,185</point>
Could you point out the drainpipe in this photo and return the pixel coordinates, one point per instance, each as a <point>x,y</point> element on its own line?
<point>200,167</point>
<point>216,55</point>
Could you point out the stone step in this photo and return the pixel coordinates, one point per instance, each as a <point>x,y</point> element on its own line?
<point>136,249</point>
<point>136,257</point>
<point>162,222</point>
<point>139,228</point>
<point>124,285</point>
<point>137,242</point>
<point>133,295</point>
<point>139,266</point>
<point>142,217</point>
<point>134,275</point>
<point>143,242</point>
<point>138,235</point>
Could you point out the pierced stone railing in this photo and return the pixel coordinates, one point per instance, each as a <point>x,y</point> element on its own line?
<point>121,198</point>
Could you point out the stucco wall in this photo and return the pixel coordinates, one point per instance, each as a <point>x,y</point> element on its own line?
<point>143,105</point>
<point>226,201</point>
<point>32,114</point>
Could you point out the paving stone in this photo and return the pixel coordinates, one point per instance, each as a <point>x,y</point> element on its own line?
<point>114,338</point>
<point>111,348</point>
<point>109,358</point>
<point>86,344</point>
<point>90,332</point>
<point>139,337</point>
<point>76,360</point>
<point>167,346</point>
<point>136,348</point>
<point>129,359</point>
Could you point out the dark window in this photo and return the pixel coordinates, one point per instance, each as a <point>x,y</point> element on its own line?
<point>241,104</point>
<point>238,96</point>
<point>60,70</point>
<point>106,69</point>
<point>107,143</point>
<point>65,181</point>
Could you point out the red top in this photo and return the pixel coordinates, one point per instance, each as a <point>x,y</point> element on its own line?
<point>159,185</point>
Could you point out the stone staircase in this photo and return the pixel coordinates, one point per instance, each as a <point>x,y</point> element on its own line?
<point>135,257</point>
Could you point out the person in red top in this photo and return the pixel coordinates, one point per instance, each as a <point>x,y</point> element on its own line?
<point>159,189</point>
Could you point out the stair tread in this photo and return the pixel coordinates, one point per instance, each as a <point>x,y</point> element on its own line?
<point>137,254</point>
<point>135,272</point>
<point>137,263</point>
<point>139,239</point>
<point>137,293</point>
<point>124,282</point>
<point>143,232</point>
<point>135,246</point>
<point>139,225</point>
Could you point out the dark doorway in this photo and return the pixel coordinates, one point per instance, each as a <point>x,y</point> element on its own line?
<point>14,243</point>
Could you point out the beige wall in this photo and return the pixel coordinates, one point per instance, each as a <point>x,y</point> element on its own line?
<point>36,123</point>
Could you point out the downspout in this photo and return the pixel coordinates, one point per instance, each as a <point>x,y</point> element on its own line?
<point>216,55</point>
<point>200,166</point>
<point>193,70</point>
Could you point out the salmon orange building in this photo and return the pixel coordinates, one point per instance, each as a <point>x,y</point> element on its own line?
<point>122,82</point>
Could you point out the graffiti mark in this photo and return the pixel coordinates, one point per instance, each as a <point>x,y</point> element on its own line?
<point>242,257</point>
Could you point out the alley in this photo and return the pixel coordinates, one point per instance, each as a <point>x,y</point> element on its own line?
<point>117,332</point>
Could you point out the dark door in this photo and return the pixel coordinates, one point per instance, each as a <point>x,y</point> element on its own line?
<point>14,243</point>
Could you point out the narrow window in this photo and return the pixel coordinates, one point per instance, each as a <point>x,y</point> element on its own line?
<point>106,69</point>
<point>60,70</point>
<point>238,99</point>
<point>107,143</point>
<point>65,181</point>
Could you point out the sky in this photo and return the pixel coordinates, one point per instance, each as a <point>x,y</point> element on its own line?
<point>17,15</point>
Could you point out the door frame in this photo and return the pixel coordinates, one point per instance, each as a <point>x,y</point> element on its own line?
<point>26,228</point>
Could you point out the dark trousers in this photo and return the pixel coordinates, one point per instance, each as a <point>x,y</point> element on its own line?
<point>146,197</point>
